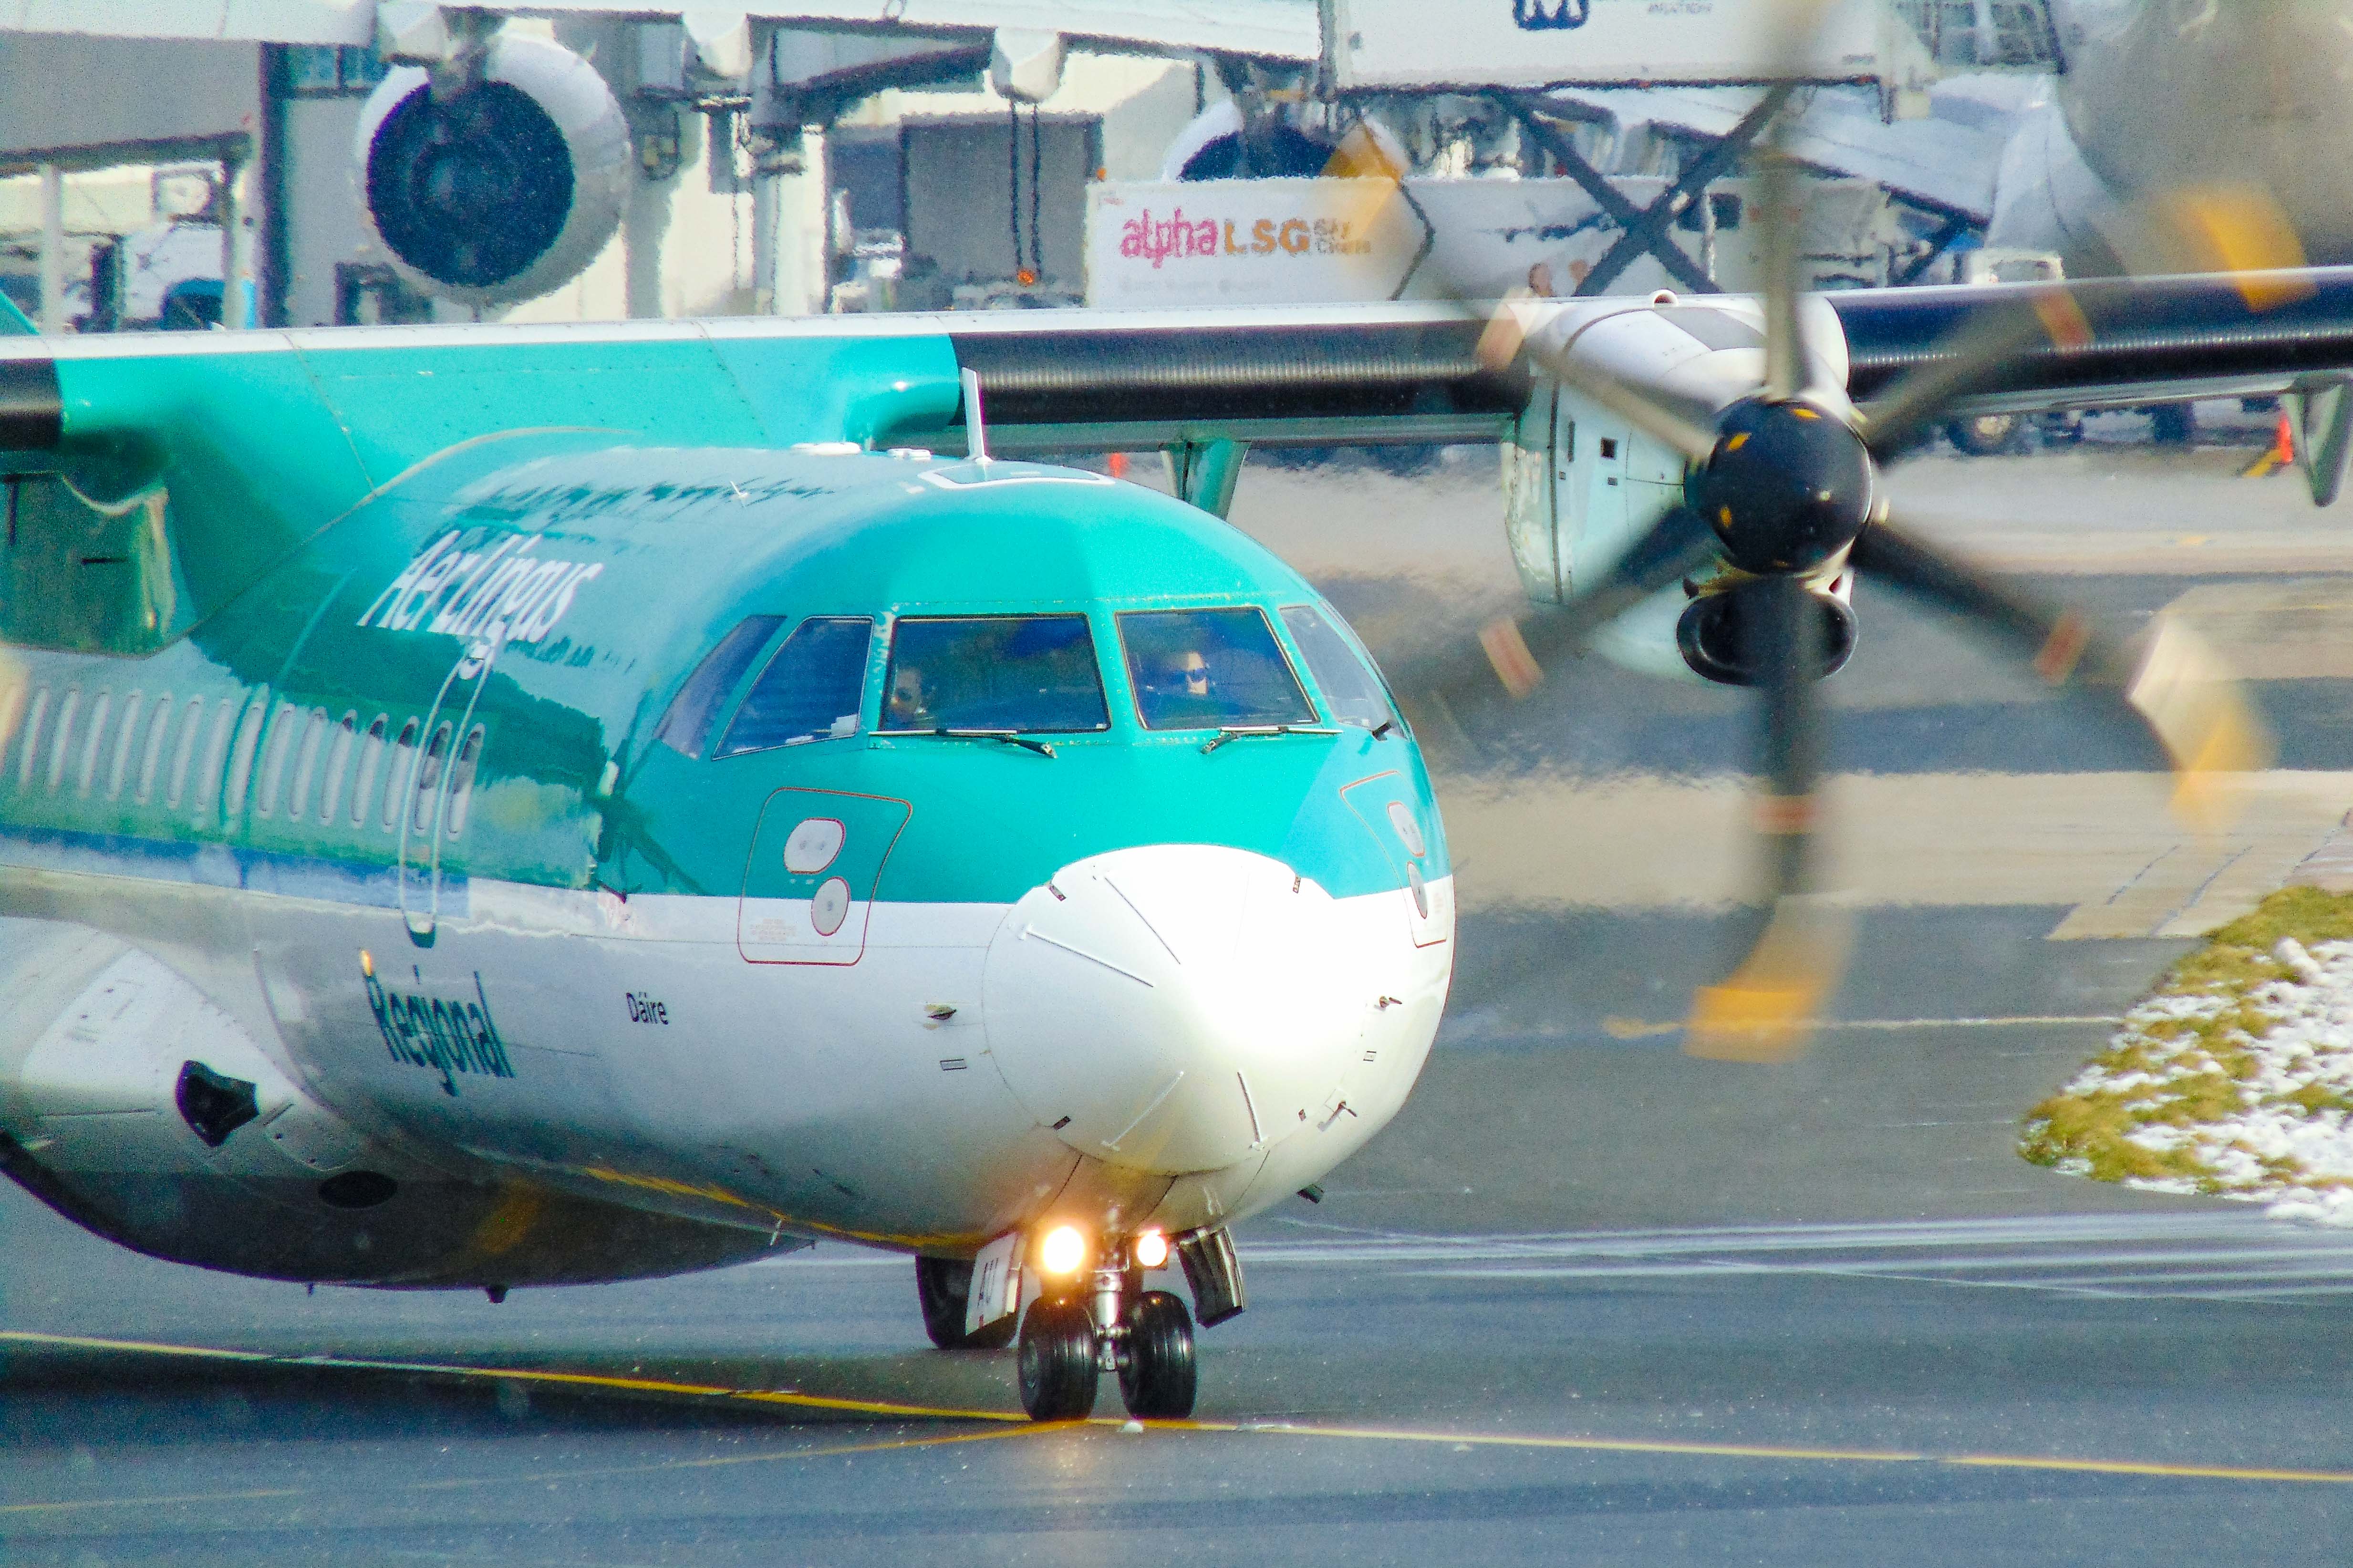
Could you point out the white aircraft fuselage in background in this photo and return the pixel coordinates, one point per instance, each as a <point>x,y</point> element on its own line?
<point>2168,95</point>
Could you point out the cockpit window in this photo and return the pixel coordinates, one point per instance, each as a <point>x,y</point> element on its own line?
<point>687,726</point>
<point>1351,689</point>
<point>994,672</point>
<point>1198,669</point>
<point>810,689</point>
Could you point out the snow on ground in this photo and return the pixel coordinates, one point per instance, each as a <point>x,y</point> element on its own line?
<point>2235,1079</point>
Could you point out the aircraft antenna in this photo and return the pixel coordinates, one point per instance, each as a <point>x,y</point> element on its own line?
<point>975,434</point>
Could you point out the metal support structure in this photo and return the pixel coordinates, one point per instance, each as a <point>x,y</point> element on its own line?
<point>1646,228</point>
<point>1940,242</point>
<point>53,248</point>
<point>274,266</point>
<point>237,264</point>
<point>1203,473</point>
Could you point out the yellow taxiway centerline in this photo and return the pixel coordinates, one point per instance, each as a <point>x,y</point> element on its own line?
<point>519,1374</point>
<point>1003,1424</point>
<point>1771,1451</point>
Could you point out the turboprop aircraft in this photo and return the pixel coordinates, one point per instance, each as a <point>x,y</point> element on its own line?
<point>489,807</point>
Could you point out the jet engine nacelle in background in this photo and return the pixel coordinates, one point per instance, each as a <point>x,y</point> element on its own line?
<point>500,189</point>
<point>2047,198</point>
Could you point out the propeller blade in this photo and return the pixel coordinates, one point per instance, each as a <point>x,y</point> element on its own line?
<point>2173,684</point>
<point>2026,315</point>
<point>1780,205</point>
<point>2236,229</point>
<point>1764,1010</point>
<point>1508,660</point>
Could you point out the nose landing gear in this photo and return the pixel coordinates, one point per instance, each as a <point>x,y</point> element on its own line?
<point>1144,1336</point>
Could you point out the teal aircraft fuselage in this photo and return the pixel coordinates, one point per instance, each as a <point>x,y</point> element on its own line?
<point>496,808</point>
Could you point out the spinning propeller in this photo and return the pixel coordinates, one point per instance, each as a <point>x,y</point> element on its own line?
<point>1782,504</point>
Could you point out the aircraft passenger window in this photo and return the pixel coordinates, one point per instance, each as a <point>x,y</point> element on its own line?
<point>429,779</point>
<point>1351,689</point>
<point>461,781</point>
<point>810,690</point>
<point>994,672</point>
<point>66,710</point>
<point>371,759</point>
<point>306,766</point>
<point>404,761</point>
<point>339,762</point>
<point>25,759</point>
<point>99,711</point>
<point>1198,669</point>
<point>273,759</point>
<point>686,727</point>
<point>134,708</point>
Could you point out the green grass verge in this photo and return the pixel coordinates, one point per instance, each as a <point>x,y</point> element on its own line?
<point>2186,1058</point>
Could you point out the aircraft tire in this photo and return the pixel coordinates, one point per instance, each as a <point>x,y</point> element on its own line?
<point>943,1286</point>
<point>1058,1362</point>
<point>1158,1379</point>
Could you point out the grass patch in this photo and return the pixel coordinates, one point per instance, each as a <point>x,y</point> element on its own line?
<point>2219,1081</point>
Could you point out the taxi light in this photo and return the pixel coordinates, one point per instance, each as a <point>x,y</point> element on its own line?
<point>1062,1250</point>
<point>1151,1250</point>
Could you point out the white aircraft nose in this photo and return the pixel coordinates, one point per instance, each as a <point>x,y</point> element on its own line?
<point>1174,1008</point>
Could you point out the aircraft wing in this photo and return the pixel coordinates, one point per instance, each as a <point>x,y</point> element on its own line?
<point>1273,29</point>
<point>1097,380</point>
<point>2110,341</point>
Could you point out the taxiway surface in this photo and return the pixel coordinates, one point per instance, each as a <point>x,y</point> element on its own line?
<point>1587,1301</point>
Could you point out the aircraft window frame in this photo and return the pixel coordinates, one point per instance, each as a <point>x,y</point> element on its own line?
<point>727,745</point>
<point>1147,708</point>
<point>306,766</point>
<point>102,710</point>
<point>431,767</point>
<point>68,706</point>
<point>339,766</point>
<point>890,671</point>
<point>118,767</point>
<point>247,743</point>
<point>1332,621</point>
<point>404,750</point>
<point>275,753</point>
<point>707,692</point>
<point>462,769</point>
<point>373,747</point>
<point>35,722</point>
<point>150,757</point>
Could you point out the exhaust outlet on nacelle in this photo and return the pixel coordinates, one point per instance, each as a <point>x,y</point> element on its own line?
<point>1711,636</point>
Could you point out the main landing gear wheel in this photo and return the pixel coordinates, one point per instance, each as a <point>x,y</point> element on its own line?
<point>1157,1377</point>
<point>1058,1362</point>
<point>944,1286</point>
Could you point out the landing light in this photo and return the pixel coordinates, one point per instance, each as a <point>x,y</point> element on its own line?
<point>1151,1250</point>
<point>1062,1250</point>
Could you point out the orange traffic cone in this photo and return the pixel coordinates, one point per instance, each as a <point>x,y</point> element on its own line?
<point>2280,453</point>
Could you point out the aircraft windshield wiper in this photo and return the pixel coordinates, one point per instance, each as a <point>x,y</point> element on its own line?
<point>1010,737</point>
<point>1244,731</point>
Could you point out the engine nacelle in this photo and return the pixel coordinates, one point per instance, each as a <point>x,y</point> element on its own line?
<point>1710,636</point>
<point>1581,485</point>
<point>137,1107</point>
<point>503,189</point>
